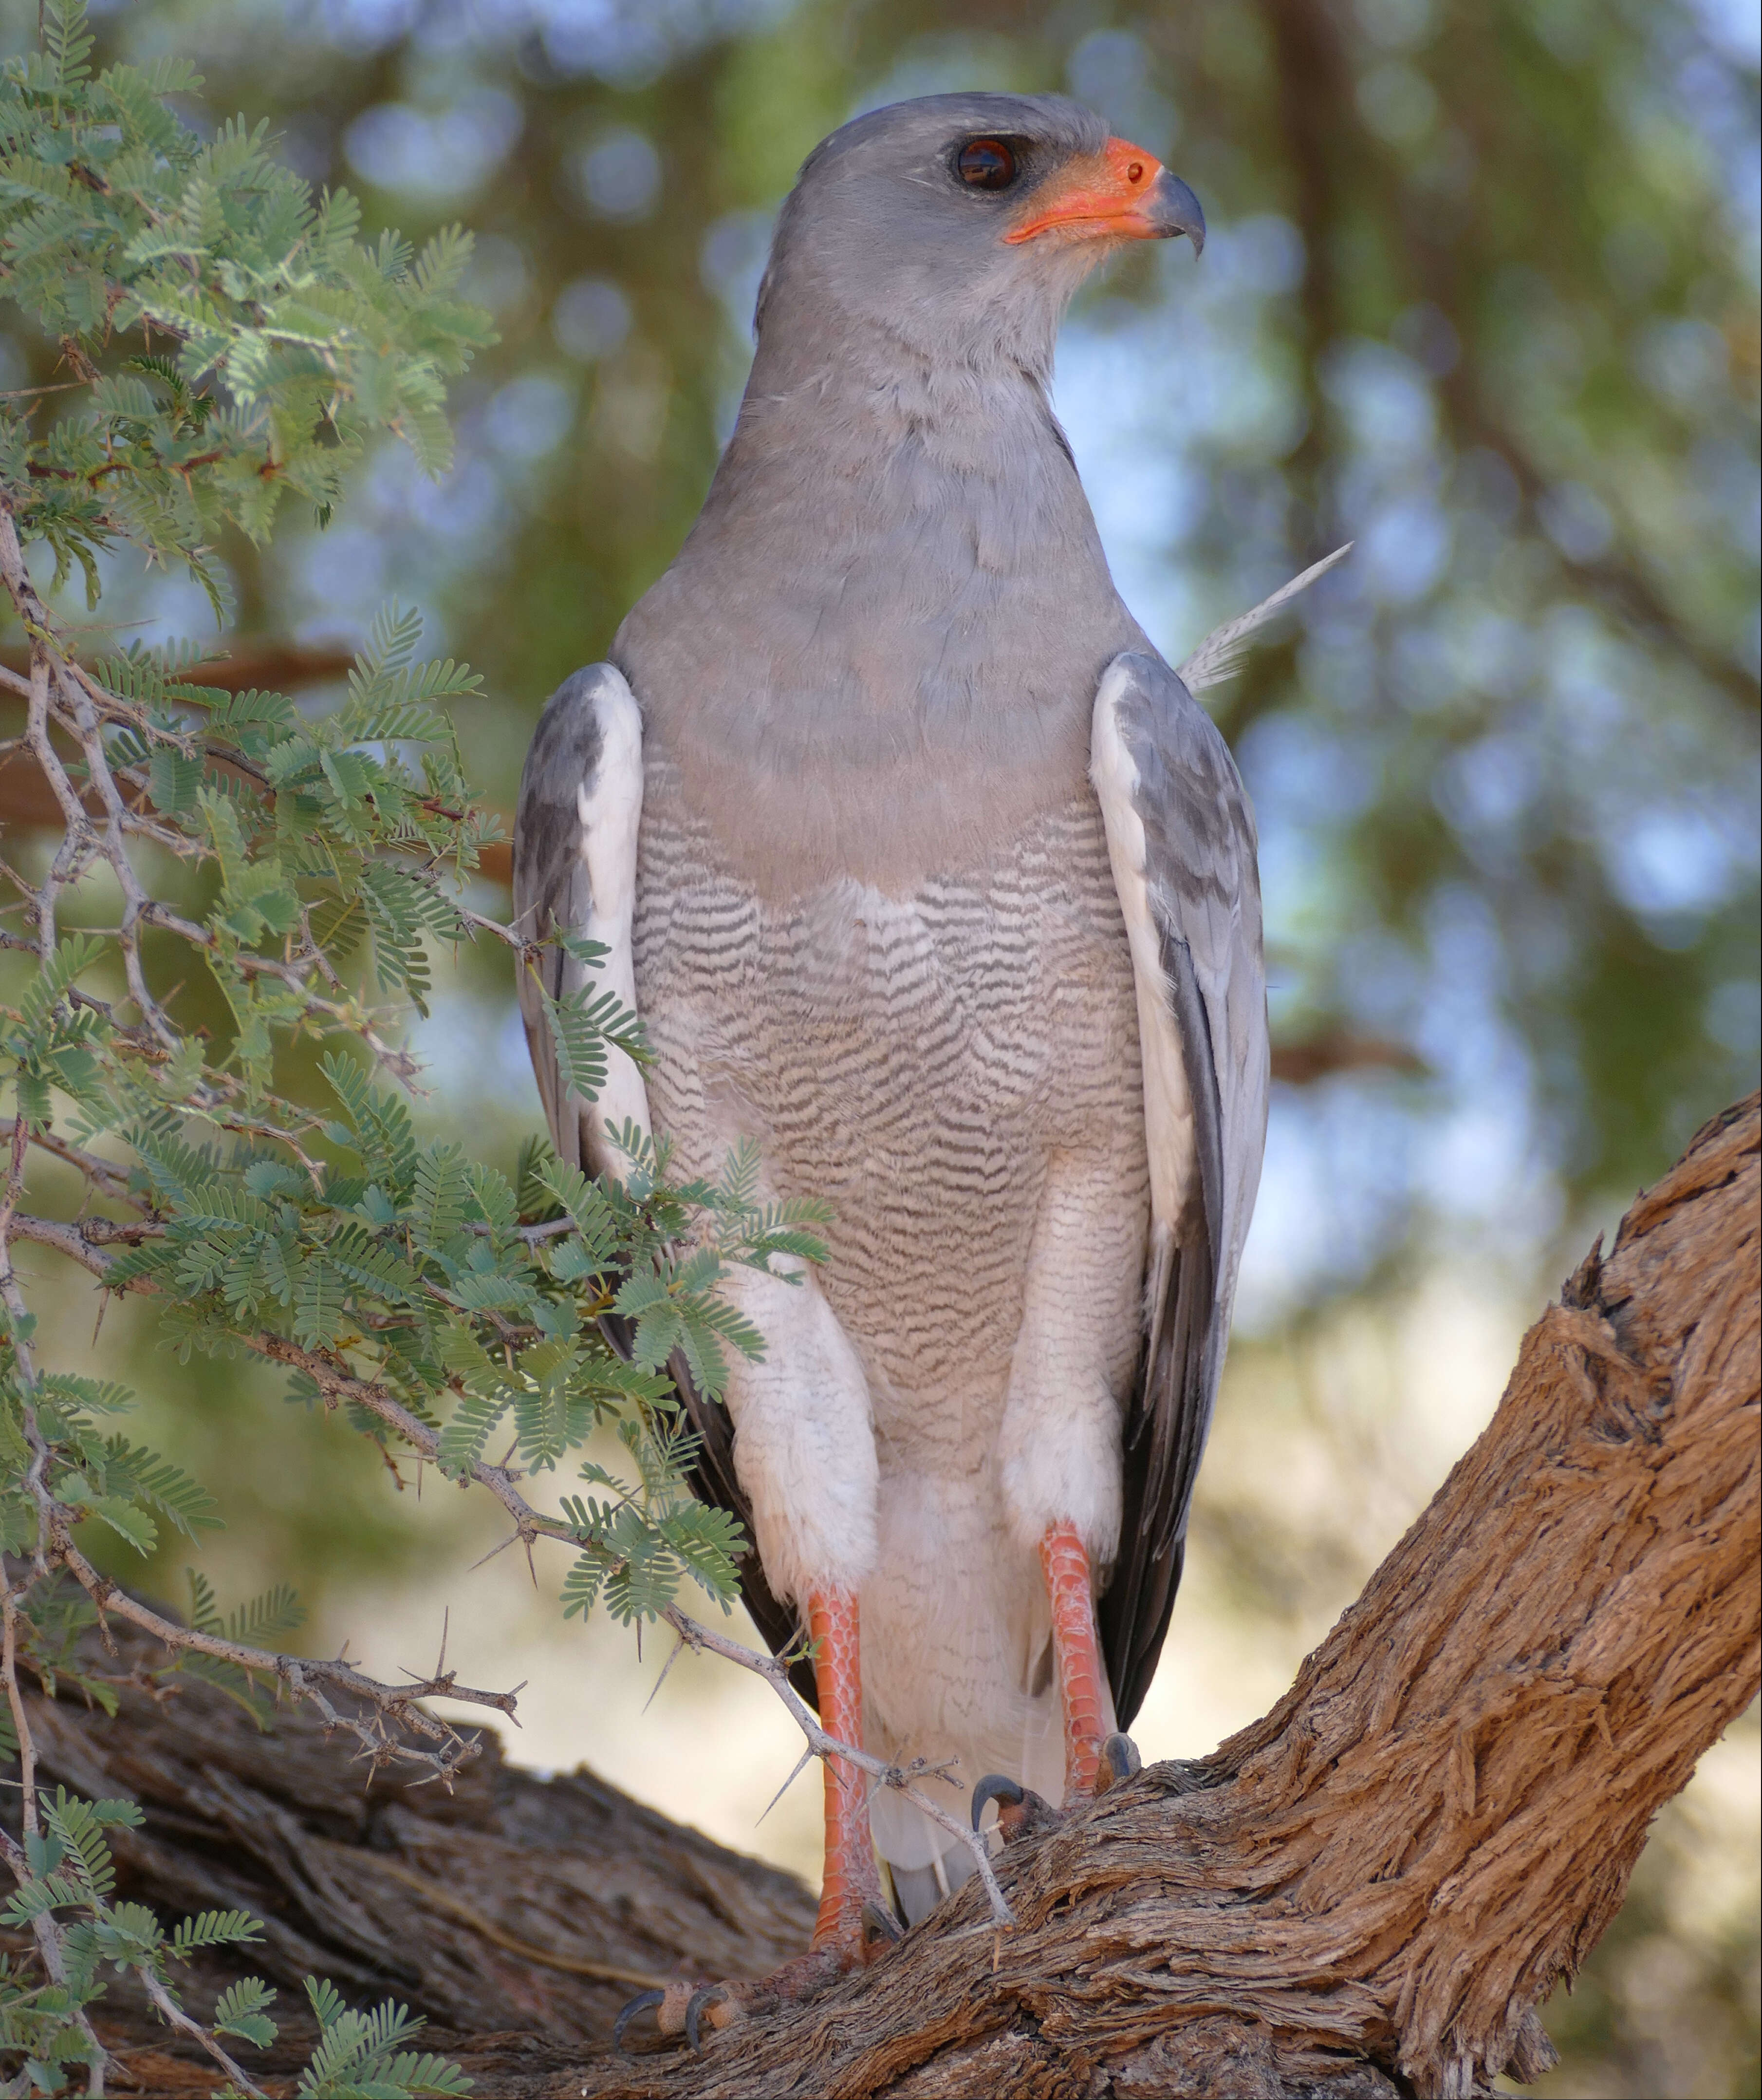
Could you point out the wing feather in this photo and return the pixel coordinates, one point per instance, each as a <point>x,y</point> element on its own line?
<point>575,868</point>
<point>1181,836</point>
<point>1217,656</point>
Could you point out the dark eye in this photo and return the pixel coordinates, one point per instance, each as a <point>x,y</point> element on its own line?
<point>985,164</point>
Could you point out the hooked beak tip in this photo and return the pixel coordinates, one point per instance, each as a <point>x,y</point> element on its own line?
<point>1177,211</point>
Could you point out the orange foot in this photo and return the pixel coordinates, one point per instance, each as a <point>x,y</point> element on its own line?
<point>855,1922</point>
<point>1096,1755</point>
<point>687,2009</point>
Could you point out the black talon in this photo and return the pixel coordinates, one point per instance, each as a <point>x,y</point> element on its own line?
<point>880,1928</point>
<point>1119,1760</point>
<point>694,2011</point>
<point>995,1787</point>
<point>643,2002</point>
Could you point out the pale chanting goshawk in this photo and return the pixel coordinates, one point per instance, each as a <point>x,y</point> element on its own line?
<point>926,873</point>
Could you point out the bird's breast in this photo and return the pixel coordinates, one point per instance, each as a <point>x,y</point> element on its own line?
<point>882,680</point>
<point>914,1058</point>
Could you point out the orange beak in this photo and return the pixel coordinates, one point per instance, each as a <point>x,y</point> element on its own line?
<point>1122,193</point>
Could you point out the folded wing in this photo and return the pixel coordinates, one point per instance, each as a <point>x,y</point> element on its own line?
<point>575,871</point>
<point>575,834</point>
<point>1181,837</point>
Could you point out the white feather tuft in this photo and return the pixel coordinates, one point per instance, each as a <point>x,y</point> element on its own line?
<point>1223,649</point>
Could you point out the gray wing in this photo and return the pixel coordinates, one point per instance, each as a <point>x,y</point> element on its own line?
<point>1181,836</point>
<point>551,877</point>
<point>575,867</point>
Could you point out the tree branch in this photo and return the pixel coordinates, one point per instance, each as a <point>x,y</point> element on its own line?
<point>174,2016</point>
<point>106,1176</point>
<point>1370,1891</point>
<point>307,1679</point>
<point>1364,1895</point>
<point>775,1672</point>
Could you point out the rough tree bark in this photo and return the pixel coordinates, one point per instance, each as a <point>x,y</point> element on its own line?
<point>1367,1893</point>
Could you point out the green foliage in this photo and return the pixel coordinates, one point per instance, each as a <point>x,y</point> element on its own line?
<point>414,1270</point>
<point>262,342</point>
<point>264,1180</point>
<point>358,2056</point>
<point>584,1022</point>
<point>241,2010</point>
<point>70,1877</point>
<point>50,1040</point>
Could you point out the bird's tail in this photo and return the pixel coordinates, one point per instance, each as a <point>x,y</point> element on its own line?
<point>917,1891</point>
<point>924,1862</point>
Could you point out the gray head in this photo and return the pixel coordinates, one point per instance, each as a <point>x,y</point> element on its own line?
<point>956,228</point>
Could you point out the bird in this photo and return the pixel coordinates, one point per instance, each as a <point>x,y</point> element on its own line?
<point>929,878</point>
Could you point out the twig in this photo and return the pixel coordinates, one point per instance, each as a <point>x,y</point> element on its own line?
<point>304,1676</point>
<point>170,2011</point>
<point>776,1674</point>
<point>112,1180</point>
<point>76,836</point>
<point>44,1929</point>
<point>530,1524</point>
<point>18,1138</point>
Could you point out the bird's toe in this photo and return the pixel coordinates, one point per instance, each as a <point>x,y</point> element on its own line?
<point>995,1786</point>
<point>1119,1760</point>
<point>880,1928</point>
<point>699,2011</point>
<point>1021,1812</point>
<point>638,2005</point>
<point>720,2003</point>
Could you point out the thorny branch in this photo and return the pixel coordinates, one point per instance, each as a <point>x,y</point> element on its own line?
<point>775,1672</point>
<point>98,827</point>
<point>170,2011</point>
<point>109,1178</point>
<point>304,1678</point>
<point>60,694</point>
<point>531,1524</point>
<point>43,1927</point>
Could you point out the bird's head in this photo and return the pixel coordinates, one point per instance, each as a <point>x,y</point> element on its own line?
<point>957,226</point>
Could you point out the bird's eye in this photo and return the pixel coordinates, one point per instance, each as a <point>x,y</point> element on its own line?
<point>985,164</point>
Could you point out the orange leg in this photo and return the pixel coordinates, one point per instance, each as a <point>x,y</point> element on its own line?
<point>852,1878</point>
<point>1096,1755</point>
<point>1082,1677</point>
<point>842,1938</point>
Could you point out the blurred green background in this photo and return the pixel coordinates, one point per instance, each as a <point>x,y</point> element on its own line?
<point>1481,295</point>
